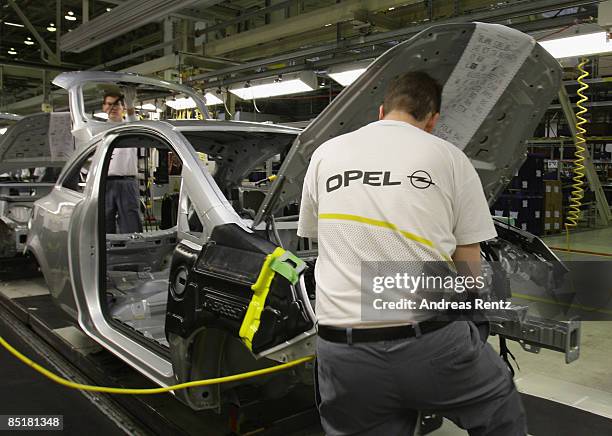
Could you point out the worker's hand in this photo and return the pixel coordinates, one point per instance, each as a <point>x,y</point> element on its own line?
<point>129,97</point>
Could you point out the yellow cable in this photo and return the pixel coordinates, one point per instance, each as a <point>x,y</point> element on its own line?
<point>577,187</point>
<point>192,384</point>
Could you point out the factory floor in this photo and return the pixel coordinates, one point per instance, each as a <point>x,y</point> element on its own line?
<point>586,383</point>
<point>583,386</point>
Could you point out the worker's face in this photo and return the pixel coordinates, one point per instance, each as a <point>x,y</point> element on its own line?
<point>113,106</point>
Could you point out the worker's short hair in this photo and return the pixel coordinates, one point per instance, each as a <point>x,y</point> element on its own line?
<point>115,94</point>
<point>416,93</point>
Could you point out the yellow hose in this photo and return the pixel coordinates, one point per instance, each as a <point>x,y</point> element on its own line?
<point>192,384</point>
<point>577,187</point>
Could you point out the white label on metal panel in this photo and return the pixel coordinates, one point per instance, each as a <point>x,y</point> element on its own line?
<point>61,142</point>
<point>491,59</point>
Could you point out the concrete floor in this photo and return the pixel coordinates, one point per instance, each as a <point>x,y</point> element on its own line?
<point>597,240</point>
<point>585,383</point>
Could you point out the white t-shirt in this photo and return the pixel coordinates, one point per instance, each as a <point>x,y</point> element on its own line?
<point>124,162</point>
<point>386,192</point>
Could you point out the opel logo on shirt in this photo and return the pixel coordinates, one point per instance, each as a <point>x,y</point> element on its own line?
<point>420,179</point>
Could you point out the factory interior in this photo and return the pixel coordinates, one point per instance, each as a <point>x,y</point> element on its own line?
<point>224,105</point>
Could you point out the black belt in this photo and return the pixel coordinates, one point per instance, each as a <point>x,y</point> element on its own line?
<point>120,177</point>
<point>354,335</point>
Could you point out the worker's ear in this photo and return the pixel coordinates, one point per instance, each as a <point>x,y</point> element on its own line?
<point>381,112</point>
<point>431,122</point>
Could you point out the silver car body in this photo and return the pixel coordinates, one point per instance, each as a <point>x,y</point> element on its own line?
<point>31,153</point>
<point>503,99</point>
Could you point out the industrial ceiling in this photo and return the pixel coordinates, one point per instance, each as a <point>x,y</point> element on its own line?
<point>212,44</point>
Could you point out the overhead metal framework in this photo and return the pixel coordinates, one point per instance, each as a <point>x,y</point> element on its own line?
<point>372,45</point>
<point>125,17</point>
<point>211,43</point>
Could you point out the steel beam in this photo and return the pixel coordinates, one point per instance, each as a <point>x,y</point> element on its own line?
<point>244,17</point>
<point>499,15</point>
<point>136,54</point>
<point>316,19</point>
<point>52,56</point>
<point>167,62</point>
<point>378,20</point>
<point>122,19</point>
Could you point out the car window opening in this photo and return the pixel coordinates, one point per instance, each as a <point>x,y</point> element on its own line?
<point>140,198</point>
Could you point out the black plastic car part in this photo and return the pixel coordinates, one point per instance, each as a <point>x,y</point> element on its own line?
<point>216,289</point>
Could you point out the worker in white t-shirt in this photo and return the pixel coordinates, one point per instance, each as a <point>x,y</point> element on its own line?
<point>391,191</point>
<point>122,205</point>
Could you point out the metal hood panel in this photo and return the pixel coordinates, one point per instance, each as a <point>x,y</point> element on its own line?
<point>41,140</point>
<point>497,82</point>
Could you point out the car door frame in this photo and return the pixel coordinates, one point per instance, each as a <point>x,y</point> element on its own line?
<point>85,250</point>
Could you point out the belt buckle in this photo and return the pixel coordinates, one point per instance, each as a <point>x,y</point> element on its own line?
<point>349,335</point>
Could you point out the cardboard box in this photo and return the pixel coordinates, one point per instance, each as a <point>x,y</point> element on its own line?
<point>553,196</point>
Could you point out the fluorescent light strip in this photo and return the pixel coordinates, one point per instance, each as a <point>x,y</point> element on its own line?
<point>13,24</point>
<point>148,107</point>
<point>579,45</point>
<point>283,87</point>
<point>345,78</point>
<point>212,99</point>
<point>181,103</point>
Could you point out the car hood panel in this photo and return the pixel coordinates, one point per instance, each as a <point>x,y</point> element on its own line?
<point>497,84</point>
<point>41,140</point>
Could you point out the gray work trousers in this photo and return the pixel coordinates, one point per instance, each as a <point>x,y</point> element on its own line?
<point>122,206</point>
<point>378,388</point>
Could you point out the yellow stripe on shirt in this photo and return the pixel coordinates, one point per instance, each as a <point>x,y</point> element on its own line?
<point>377,223</point>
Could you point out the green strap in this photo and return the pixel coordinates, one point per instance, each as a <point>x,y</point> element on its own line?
<point>286,269</point>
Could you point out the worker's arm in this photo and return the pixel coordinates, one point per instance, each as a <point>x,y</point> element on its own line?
<point>467,260</point>
<point>129,99</point>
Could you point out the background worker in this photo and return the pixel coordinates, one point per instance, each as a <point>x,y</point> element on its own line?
<point>122,192</point>
<point>393,191</point>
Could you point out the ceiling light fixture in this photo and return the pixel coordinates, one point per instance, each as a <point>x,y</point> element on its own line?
<point>347,74</point>
<point>13,24</point>
<point>579,45</point>
<point>70,16</point>
<point>181,103</point>
<point>12,51</point>
<point>291,83</point>
<point>148,107</point>
<point>212,99</point>
<point>51,27</point>
<point>28,41</point>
